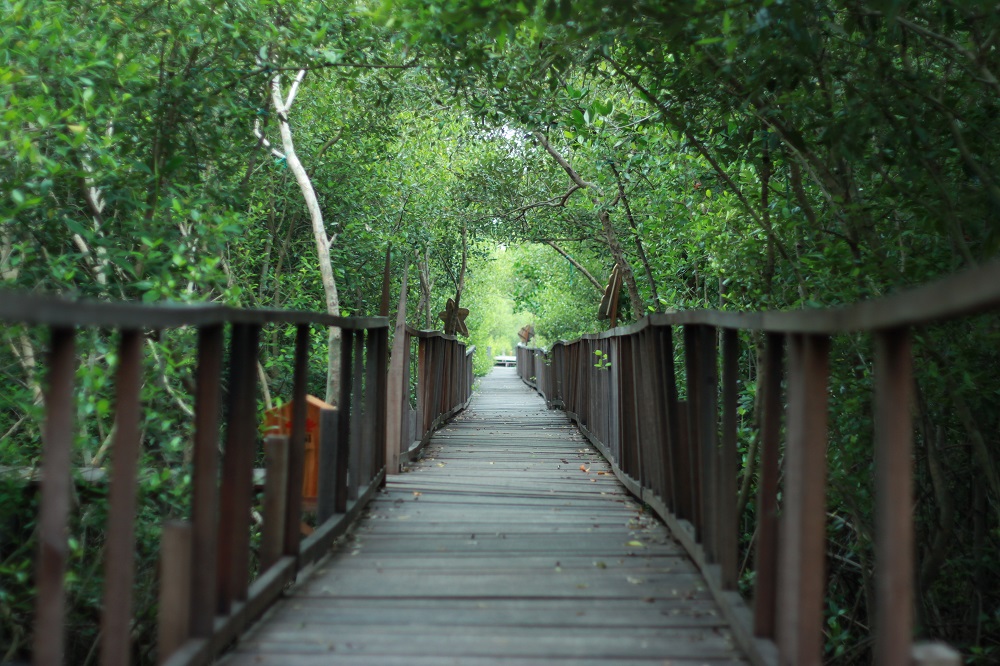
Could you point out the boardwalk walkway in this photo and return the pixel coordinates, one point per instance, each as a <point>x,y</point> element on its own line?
<point>509,542</point>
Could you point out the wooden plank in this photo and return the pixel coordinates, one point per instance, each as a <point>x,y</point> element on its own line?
<point>462,560</point>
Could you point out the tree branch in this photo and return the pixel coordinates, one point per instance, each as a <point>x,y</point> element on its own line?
<point>577,265</point>
<point>574,176</point>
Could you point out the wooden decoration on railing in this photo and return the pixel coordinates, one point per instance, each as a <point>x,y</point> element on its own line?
<point>609,303</point>
<point>526,333</point>
<point>454,318</point>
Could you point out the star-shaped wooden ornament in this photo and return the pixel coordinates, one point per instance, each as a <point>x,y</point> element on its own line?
<point>454,318</point>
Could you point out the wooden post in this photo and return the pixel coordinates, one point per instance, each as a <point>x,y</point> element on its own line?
<point>355,464</point>
<point>694,393</point>
<point>174,613</point>
<point>272,540</point>
<point>233,555</point>
<point>396,390</point>
<point>726,497</point>
<point>803,528</point>
<point>57,449</point>
<point>297,443</point>
<point>119,558</point>
<point>344,408</point>
<point>893,498</point>
<point>329,476</point>
<point>708,433</point>
<point>205,479</point>
<point>766,584</point>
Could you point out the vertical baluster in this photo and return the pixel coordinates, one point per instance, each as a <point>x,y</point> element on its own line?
<point>57,449</point>
<point>233,560</point>
<point>205,479</point>
<point>673,461</point>
<point>371,427</point>
<point>647,412</point>
<point>694,422</point>
<point>297,443</point>
<point>345,407</point>
<point>173,613</point>
<point>803,529</point>
<point>893,497</point>
<point>382,404</point>
<point>766,585</point>
<point>356,458</point>
<point>422,402</point>
<point>626,431</point>
<point>708,433</point>
<point>727,462</point>
<point>119,552</point>
<point>272,538</point>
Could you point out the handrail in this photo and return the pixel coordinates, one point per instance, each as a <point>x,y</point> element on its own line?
<point>206,596</point>
<point>680,457</point>
<point>962,294</point>
<point>48,310</point>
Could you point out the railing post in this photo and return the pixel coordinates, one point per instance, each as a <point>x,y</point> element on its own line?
<point>626,430</point>
<point>57,449</point>
<point>893,498</point>
<point>272,540</point>
<point>119,558</point>
<point>423,398</point>
<point>766,581</point>
<point>382,401</point>
<point>647,411</point>
<point>692,362</point>
<point>297,443</point>
<point>726,497</point>
<point>345,408</point>
<point>708,433</point>
<point>174,609</point>
<point>205,479</point>
<point>233,555</point>
<point>803,533</point>
<point>355,459</point>
<point>370,430</point>
<point>672,459</point>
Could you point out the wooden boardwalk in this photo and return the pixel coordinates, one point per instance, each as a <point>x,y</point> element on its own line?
<point>509,542</point>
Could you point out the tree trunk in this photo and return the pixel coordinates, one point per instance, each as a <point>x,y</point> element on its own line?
<point>323,242</point>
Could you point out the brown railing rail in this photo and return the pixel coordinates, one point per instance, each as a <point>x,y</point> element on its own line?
<point>443,388</point>
<point>206,593</point>
<point>680,457</point>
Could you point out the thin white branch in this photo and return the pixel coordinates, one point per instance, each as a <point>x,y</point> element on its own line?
<point>294,90</point>
<point>263,139</point>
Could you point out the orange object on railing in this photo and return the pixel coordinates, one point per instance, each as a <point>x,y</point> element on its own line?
<point>278,421</point>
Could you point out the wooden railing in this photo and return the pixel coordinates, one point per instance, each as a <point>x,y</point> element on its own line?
<point>443,388</point>
<point>680,457</point>
<point>206,593</point>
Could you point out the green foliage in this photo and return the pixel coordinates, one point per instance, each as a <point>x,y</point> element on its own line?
<point>746,156</point>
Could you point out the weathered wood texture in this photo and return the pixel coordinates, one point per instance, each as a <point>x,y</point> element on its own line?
<point>510,541</point>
